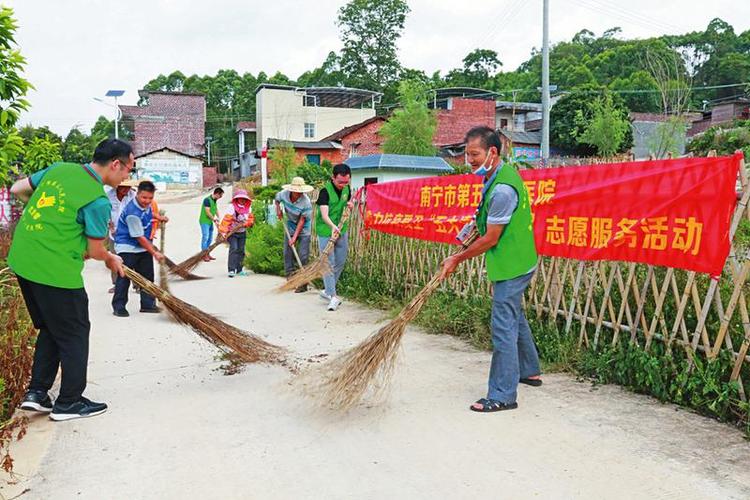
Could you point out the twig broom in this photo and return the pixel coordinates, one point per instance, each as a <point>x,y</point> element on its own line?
<point>163,283</point>
<point>187,265</point>
<point>366,369</point>
<point>320,267</point>
<point>248,347</point>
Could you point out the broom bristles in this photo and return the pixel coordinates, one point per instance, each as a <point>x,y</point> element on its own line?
<point>248,347</point>
<point>366,369</point>
<point>187,265</point>
<point>186,275</point>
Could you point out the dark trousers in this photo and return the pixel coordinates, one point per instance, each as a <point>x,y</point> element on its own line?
<point>236,251</point>
<point>143,264</point>
<point>62,317</point>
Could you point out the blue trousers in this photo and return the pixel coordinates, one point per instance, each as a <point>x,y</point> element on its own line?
<point>207,233</point>
<point>514,355</point>
<point>337,259</point>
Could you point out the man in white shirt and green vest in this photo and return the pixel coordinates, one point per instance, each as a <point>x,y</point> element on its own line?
<point>507,239</point>
<point>64,222</point>
<point>332,200</point>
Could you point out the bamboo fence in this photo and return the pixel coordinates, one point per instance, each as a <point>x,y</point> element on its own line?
<point>599,302</point>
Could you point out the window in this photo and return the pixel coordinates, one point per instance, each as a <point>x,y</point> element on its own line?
<point>370,180</point>
<point>314,159</point>
<point>353,149</point>
<point>503,123</point>
<point>309,130</point>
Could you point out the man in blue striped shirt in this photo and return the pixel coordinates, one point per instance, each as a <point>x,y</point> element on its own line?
<point>298,210</point>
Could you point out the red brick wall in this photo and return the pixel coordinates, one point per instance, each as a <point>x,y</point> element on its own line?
<point>173,121</point>
<point>209,177</point>
<point>466,113</point>
<point>332,155</point>
<point>368,140</point>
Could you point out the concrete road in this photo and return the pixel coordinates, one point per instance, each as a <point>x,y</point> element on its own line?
<point>178,427</point>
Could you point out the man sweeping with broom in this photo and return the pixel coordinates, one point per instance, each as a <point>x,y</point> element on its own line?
<point>133,244</point>
<point>507,240</point>
<point>298,208</point>
<point>66,220</point>
<point>332,200</point>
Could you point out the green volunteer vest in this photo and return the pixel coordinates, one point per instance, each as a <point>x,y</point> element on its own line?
<point>49,244</point>
<point>203,218</point>
<point>515,252</point>
<point>336,208</point>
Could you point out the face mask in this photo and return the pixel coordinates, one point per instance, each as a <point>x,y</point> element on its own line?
<point>482,170</point>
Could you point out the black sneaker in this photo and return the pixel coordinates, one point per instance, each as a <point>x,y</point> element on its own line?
<point>122,313</point>
<point>37,401</point>
<point>154,309</point>
<point>80,409</point>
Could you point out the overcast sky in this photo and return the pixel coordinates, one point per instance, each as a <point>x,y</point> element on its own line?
<point>77,49</point>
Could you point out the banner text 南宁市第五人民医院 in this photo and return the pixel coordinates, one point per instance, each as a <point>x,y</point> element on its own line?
<point>672,213</point>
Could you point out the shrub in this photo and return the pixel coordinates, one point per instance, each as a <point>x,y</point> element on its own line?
<point>264,248</point>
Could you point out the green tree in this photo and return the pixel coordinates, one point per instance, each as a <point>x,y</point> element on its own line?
<point>78,147</point>
<point>639,91</point>
<point>29,132</point>
<point>606,128</point>
<point>370,30</point>
<point>314,174</point>
<point>284,163</point>
<point>411,128</point>
<point>41,153</point>
<point>480,67</point>
<point>13,89</point>
<point>570,116</point>
<point>104,128</point>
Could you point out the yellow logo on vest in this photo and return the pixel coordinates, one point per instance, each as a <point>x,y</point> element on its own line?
<point>46,201</point>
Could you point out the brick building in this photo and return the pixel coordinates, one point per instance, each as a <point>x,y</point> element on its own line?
<point>174,120</point>
<point>361,139</point>
<point>460,109</point>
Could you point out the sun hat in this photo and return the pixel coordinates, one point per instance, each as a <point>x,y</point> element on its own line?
<point>298,186</point>
<point>241,193</point>
<point>129,183</point>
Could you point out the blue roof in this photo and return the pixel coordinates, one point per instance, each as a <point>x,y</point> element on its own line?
<point>399,162</point>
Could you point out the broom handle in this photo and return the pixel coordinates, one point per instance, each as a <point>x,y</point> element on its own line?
<point>294,250</point>
<point>335,236</point>
<point>162,230</point>
<point>412,309</point>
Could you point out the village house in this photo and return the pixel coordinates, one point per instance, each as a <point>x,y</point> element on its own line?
<point>379,168</point>
<point>168,136</point>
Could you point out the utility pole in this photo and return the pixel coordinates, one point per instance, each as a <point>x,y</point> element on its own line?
<point>545,83</point>
<point>208,145</point>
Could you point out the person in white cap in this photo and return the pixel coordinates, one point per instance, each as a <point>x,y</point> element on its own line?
<point>298,210</point>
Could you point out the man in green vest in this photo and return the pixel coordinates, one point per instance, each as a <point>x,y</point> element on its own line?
<point>209,215</point>
<point>332,200</point>
<point>64,222</point>
<point>504,223</point>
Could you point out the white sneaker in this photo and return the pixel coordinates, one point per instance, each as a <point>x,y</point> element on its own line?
<point>324,295</point>
<point>334,303</point>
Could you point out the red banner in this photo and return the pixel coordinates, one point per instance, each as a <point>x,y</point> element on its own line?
<point>673,213</point>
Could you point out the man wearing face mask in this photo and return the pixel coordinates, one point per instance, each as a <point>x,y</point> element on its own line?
<point>507,239</point>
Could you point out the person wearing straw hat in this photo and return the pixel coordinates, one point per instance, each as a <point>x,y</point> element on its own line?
<point>332,201</point>
<point>298,208</point>
<point>241,204</point>
<point>506,239</point>
<point>64,222</point>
